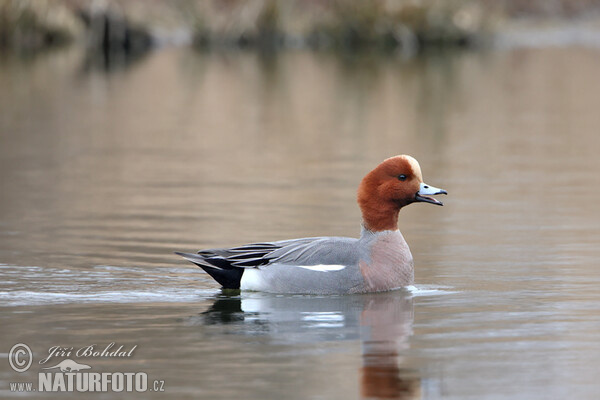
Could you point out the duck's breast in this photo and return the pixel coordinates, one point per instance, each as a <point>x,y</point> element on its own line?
<point>388,263</point>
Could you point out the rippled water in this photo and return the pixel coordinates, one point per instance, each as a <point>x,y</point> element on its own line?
<point>103,174</point>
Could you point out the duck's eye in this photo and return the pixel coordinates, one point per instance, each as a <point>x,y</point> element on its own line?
<point>402,177</point>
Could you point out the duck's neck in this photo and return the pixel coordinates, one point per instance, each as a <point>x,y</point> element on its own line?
<point>380,218</point>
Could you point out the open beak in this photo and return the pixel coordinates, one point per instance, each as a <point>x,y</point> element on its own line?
<point>425,190</point>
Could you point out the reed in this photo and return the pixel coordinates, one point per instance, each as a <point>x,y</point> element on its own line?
<point>340,24</point>
<point>409,25</point>
<point>36,24</point>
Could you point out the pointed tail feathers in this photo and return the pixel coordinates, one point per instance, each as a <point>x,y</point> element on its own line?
<point>221,271</point>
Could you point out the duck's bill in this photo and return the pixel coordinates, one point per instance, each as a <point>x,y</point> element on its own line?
<point>425,191</point>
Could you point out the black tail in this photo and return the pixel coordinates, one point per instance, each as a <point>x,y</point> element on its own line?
<point>223,272</point>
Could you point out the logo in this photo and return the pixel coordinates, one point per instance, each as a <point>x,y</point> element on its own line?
<point>69,375</point>
<point>20,357</point>
<point>69,366</point>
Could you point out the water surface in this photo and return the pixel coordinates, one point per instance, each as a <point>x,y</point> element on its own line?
<point>103,174</point>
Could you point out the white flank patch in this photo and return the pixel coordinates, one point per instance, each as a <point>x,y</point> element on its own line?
<point>323,267</point>
<point>251,279</point>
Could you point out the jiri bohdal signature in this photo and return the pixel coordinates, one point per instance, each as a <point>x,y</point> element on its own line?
<point>92,350</point>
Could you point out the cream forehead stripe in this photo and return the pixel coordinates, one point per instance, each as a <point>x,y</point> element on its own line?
<point>414,165</point>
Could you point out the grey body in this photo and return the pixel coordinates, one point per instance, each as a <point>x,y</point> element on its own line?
<point>382,254</point>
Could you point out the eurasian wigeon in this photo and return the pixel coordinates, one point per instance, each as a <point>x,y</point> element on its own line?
<point>379,260</point>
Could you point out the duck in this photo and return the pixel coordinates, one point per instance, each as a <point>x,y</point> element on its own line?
<point>377,261</point>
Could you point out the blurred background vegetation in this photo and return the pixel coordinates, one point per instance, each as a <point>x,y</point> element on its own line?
<point>134,26</point>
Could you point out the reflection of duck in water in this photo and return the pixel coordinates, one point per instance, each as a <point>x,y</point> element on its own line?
<point>379,260</point>
<point>382,323</point>
<point>388,324</point>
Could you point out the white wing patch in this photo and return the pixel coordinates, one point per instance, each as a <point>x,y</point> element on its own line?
<point>323,267</point>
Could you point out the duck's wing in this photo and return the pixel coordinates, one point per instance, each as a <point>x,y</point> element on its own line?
<point>227,265</point>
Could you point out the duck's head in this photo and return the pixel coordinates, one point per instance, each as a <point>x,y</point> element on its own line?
<point>393,184</point>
